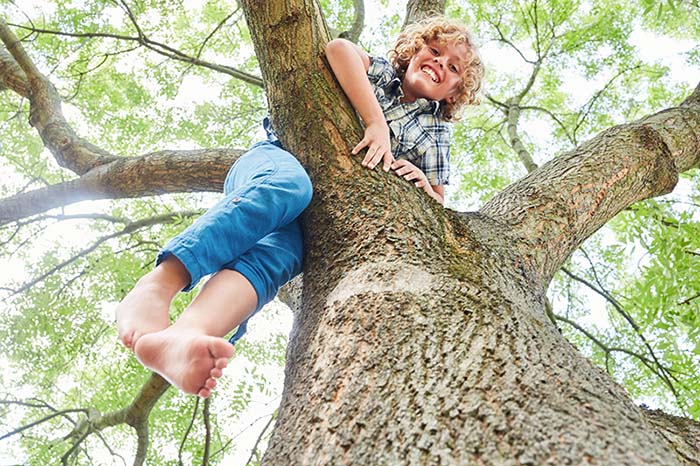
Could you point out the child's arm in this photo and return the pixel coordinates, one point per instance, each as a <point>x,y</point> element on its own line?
<point>350,65</point>
<point>410,172</point>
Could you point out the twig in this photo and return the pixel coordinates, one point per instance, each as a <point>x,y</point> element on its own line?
<point>44,419</point>
<point>663,373</point>
<point>259,439</point>
<point>128,229</point>
<point>588,106</point>
<point>76,444</point>
<point>207,432</point>
<point>159,48</point>
<point>187,431</point>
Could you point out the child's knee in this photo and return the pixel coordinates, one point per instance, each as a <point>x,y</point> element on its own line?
<point>303,187</point>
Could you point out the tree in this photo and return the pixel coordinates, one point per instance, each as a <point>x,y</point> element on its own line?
<point>422,336</point>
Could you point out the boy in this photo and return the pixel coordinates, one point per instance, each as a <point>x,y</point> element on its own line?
<point>252,238</point>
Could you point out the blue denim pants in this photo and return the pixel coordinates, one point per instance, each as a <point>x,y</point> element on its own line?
<point>255,229</point>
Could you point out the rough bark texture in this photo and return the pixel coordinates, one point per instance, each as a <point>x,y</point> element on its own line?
<point>682,433</point>
<point>556,207</point>
<point>422,337</point>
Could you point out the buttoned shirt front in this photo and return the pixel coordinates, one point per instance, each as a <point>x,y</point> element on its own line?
<point>418,133</point>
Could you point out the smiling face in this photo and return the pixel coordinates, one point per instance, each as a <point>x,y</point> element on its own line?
<point>435,72</point>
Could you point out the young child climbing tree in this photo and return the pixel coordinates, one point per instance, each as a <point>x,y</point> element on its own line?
<point>251,240</point>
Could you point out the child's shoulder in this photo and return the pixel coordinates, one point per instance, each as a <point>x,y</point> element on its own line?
<point>381,70</point>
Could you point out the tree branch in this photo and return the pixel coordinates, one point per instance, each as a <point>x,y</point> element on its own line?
<point>207,432</point>
<point>663,373</point>
<point>41,421</point>
<point>11,75</point>
<point>502,38</point>
<point>658,370</point>
<point>159,48</point>
<point>188,430</point>
<point>135,415</point>
<point>70,151</point>
<point>259,439</point>
<point>555,118</point>
<point>128,229</point>
<point>582,114</point>
<point>358,22</point>
<point>514,139</point>
<point>557,206</point>
<point>156,173</point>
<point>214,31</point>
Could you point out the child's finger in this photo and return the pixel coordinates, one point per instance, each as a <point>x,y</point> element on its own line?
<point>369,156</point>
<point>376,158</point>
<point>388,160</point>
<point>359,146</point>
<point>420,184</point>
<point>398,165</point>
<point>402,171</point>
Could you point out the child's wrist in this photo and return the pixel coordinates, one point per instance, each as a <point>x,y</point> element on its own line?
<point>373,120</point>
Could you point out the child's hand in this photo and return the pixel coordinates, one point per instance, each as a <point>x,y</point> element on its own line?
<point>379,146</point>
<point>410,172</point>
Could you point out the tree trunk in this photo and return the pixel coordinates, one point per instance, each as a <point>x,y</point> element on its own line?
<point>422,336</point>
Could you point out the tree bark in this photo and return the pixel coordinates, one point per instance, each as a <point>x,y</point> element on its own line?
<point>422,336</point>
<point>421,9</point>
<point>128,177</point>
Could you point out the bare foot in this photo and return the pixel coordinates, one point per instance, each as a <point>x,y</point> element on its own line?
<point>144,310</point>
<point>147,306</point>
<point>189,360</point>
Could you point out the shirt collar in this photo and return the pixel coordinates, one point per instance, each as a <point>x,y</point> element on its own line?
<point>425,105</point>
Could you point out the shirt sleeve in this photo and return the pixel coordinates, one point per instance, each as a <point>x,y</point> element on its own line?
<point>380,72</point>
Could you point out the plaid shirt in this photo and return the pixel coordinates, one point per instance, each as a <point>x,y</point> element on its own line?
<point>418,133</point>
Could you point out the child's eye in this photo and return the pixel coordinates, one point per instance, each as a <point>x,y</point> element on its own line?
<point>434,51</point>
<point>454,69</point>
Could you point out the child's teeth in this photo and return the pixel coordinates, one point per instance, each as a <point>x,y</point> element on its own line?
<point>430,73</point>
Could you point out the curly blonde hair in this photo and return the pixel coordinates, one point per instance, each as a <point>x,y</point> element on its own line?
<point>445,31</point>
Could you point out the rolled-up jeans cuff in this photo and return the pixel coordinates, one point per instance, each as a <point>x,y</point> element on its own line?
<point>187,259</point>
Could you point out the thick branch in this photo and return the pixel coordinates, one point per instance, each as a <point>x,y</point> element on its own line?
<point>46,116</point>
<point>514,138</point>
<point>12,76</point>
<point>556,207</point>
<point>682,433</point>
<point>417,10</point>
<point>147,175</point>
<point>358,22</point>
